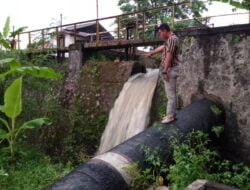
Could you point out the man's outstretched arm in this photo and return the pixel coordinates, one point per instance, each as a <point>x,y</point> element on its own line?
<point>157,50</point>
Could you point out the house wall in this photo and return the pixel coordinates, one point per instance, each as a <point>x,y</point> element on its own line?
<point>69,40</point>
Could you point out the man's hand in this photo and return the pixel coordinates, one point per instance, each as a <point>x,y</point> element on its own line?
<point>148,55</point>
<point>157,50</point>
<point>166,77</point>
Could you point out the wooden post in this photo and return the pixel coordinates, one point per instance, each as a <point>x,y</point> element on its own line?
<point>74,33</point>
<point>97,32</point>
<point>43,40</point>
<point>29,36</point>
<point>57,38</point>
<point>143,25</point>
<point>249,16</point>
<point>135,31</point>
<point>97,10</point>
<point>18,41</point>
<point>173,13</point>
<point>118,28</point>
<point>136,26</point>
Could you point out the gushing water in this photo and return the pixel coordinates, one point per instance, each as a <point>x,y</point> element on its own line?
<point>130,114</point>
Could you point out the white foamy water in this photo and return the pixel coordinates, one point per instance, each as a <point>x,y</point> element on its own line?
<point>130,114</point>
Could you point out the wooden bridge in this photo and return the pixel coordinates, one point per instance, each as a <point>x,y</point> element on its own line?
<point>128,30</point>
<point>132,29</point>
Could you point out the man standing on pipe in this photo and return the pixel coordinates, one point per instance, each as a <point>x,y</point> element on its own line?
<point>169,62</point>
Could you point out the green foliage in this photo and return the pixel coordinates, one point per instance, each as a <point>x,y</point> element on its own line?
<point>6,34</point>
<point>217,130</point>
<point>216,110</point>
<point>181,12</point>
<point>97,57</point>
<point>139,179</point>
<point>41,72</point>
<point>85,131</point>
<point>193,159</point>
<point>153,174</point>
<point>76,131</point>
<point>6,28</point>
<point>34,170</point>
<point>245,4</point>
<point>17,31</point>
<point>13,104</point>
<point>159,102</point>
<point>12,99</point>
<point>236,39</point>
<point>190,161</point>
<point>165,15</point>
<point>197,22</point>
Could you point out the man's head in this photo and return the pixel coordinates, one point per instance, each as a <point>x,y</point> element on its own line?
<point>164,31</point>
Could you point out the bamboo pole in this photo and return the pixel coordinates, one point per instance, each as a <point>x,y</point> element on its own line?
<point>173,14</point>
<point>118,27</point>
<point>57,38</point>
<point>18,41</point>
<point>143,26</point>
<point>74,33</point>
<point>43,40</point>
<point>29,36</point>
<point>97,32</point>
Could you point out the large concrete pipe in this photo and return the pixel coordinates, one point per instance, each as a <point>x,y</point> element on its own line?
<point>105,172</point>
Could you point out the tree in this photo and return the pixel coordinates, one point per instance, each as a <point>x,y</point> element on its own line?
<point>180,11</point>
<point>245,4</point>
<point>183,11</point>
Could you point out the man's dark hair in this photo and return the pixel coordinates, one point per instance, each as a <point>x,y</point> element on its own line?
<point>164,26</point>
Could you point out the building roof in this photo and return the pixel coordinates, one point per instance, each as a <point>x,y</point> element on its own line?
<point>86,29</point>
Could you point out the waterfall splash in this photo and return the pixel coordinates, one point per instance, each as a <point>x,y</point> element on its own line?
<point>130,114</point>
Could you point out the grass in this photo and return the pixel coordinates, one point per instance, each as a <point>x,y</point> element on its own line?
<point>33,171</point>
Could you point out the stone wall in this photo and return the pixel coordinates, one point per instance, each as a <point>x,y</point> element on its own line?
<point>216,64</point>
<point>80,115</point>
<point>100,83</point>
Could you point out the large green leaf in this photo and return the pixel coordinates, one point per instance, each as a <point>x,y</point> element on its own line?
<point>5,123</point>
<point>14,64</point>
<point>7,60</point>
<point>12,99</point>
<point>2,75</point>
<point>43,72</point>
<point>3,134</point>
<point>17,31</point>
<point>4,43</point>
<point>35,123</point>
<point>11,62</point>
<point>6,28</point>
<point>3,172</point>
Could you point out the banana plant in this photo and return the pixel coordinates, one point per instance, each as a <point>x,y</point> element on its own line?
<point>12,106</point>
<point>5,35</point>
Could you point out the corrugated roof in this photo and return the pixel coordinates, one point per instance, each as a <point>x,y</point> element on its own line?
<point>80,26</point>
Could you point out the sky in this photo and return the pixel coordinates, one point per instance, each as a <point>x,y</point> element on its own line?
<point>37,14</point>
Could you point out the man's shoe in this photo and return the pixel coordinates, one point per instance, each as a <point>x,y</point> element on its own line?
<point>168,119</point>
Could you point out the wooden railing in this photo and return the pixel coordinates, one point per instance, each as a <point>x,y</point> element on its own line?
<point>120,29</point>
<point>54,37</point>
